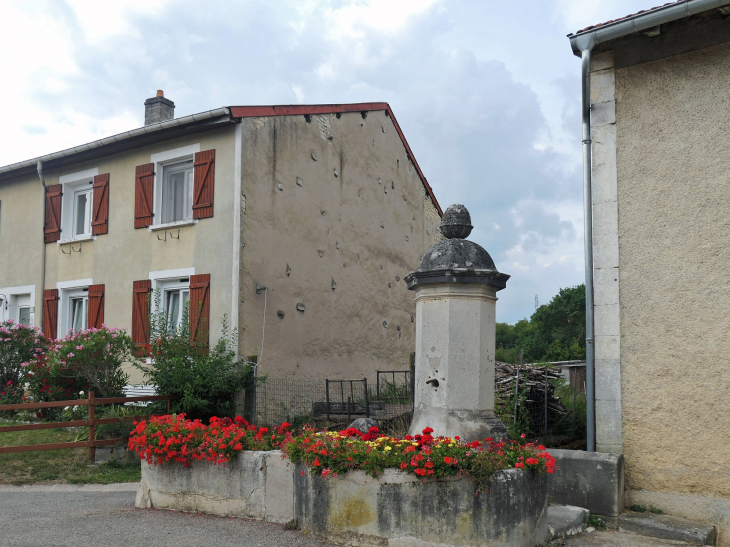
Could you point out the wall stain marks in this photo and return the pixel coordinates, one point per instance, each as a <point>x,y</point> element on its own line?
<point>325,128</point>
<point>354,512</point>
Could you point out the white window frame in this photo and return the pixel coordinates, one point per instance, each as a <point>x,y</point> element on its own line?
<point>10,305</point>
<point>30,316</point>
<point>74,184</point>
<point>160,160</point>
<point>77,295</point>
<point>168,280</point>
<point>68,290</point>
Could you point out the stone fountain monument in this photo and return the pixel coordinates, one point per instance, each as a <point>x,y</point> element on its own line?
<point>456,286</point>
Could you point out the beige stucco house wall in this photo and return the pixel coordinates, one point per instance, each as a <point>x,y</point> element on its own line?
<point>661,180</point>
<point>335,217</point>
<point>337,234</point>
<point>125,254</point>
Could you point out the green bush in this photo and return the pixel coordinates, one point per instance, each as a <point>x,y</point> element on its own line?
<point>204,379</point>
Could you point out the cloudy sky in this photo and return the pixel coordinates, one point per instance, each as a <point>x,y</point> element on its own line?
<point>487,93</point>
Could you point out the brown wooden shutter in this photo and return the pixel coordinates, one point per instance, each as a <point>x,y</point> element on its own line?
<point>50,313</point>
<point>96,306</point>
<point>140,316</point>
<point>199,307</point>
<point>204,183</point>
<point>100,213</point>
<point>143,192</point>
<point>52,230</point>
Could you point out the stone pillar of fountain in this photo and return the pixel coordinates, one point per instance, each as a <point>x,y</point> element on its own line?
<point>456,285</point>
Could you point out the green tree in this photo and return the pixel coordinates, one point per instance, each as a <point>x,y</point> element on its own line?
<point>555,332</point>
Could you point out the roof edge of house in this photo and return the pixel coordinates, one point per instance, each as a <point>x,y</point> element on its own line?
<point>210,115</point>
<point>313,109</point>
<point>224,114</point>
<point>590,37</point>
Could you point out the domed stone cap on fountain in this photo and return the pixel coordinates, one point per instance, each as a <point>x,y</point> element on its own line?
<point>456,260</point>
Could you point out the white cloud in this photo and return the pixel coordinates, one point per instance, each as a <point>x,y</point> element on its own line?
<point>488,97</point>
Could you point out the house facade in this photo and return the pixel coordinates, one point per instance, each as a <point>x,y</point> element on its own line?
<point>296,223</point>
<point>660,180</point>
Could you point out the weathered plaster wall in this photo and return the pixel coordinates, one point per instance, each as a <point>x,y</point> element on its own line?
<point>674,227</point>
<point>125,254</point>
<point>337,234</point>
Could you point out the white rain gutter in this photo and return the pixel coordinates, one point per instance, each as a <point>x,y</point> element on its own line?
<point>152,128</point>
<point>584,42</point>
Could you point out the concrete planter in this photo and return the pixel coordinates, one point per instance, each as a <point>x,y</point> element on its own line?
<point>396,509</point>
<point>257,485</point>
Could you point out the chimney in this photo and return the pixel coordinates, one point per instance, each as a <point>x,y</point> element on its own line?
<point>158,109</point>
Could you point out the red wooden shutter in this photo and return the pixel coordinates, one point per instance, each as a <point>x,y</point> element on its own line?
<point>204,183</point>
<point>143,191</point>
<point>50,313</point>
<point>140,316</point>
<point>199,307</point>
<point>100,214</point>
<point>52,230</point>
<point>96,306</point>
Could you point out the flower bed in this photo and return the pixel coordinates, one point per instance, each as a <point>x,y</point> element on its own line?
<point>345,484</point>
<point>325,453</point>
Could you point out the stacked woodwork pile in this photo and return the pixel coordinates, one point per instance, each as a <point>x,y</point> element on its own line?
<point>534,387</point>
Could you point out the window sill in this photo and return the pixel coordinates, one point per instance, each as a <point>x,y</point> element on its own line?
<point>75,240</point>
<point>177,224</point>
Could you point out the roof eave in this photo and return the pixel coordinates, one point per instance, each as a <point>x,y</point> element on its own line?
<point>588,39</point>
<point>122,141</point>
<point>314,109</point>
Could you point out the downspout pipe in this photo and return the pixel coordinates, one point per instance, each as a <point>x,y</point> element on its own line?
<point>588,250</point>
<point>39,316</point>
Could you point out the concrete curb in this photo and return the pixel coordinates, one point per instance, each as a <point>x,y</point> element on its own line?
<point>664,527</point>
<point>115,487</point>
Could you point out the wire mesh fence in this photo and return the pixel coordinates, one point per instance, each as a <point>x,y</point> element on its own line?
<point>333,403</point>
<point>546,402</point>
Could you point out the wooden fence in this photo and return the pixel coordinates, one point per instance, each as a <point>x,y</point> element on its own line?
<point>91,422</point>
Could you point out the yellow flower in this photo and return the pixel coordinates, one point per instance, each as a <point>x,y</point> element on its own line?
<point>387,448</point>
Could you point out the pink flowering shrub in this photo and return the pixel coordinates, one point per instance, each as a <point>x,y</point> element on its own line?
<point>86,360</point>
<point>19,344</point>
<point>97,356</point>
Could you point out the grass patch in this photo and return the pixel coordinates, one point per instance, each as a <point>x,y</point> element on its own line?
<point>57,466</point>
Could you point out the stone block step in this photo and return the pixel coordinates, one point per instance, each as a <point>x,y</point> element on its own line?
<point>664,527</point>
<point>566,520</point>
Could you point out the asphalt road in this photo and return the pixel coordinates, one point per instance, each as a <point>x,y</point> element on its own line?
<point>87,518</point>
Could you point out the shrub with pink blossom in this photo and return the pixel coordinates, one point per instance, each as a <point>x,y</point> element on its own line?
<point>19,344</point>
<point>97,356</point>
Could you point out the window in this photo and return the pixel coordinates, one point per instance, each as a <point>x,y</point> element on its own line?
<point>175,301</point>
<point>78,312</point>
<point>77,205</point>
<point>73,306</point>
<point>24,316</point>
<point>16,303</point>
<point>82,212</point>
<point>177,191</point>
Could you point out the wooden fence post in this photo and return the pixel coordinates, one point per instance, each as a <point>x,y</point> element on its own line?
<point>92,433</point>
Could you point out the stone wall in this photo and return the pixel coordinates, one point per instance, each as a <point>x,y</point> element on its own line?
<point>396,509</point>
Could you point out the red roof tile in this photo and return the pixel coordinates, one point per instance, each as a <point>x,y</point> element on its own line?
<point>627,16</point>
